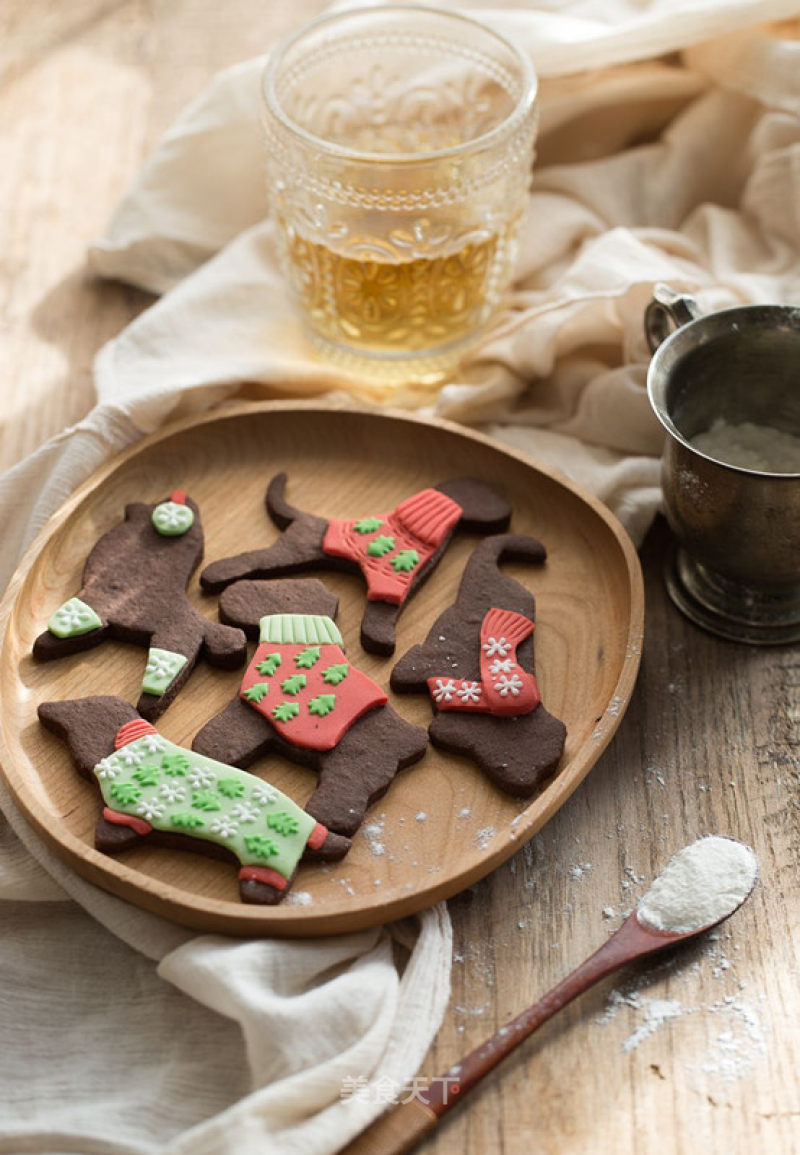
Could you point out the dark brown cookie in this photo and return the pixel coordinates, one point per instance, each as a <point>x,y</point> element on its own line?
<point>302,698</point>
<point>134,590</point>
<point>477,665</point>
<point>157,791</point>
<point>394,552</point>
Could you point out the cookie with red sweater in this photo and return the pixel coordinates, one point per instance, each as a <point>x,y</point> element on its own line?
<point>394,551</point>
<point>302,697</point>
<point>134,590</point>
<point>477,667</point>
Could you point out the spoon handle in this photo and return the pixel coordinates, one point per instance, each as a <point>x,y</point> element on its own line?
<point>399,1130</point>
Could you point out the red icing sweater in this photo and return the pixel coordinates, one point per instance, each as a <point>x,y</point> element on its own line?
<point>392,547</point>
<point>504,689</point>
<point>306,688</point>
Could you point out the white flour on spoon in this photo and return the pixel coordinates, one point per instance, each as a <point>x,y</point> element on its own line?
<point>702,884</point>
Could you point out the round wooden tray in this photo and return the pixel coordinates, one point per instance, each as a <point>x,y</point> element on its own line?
<point>441,826</point>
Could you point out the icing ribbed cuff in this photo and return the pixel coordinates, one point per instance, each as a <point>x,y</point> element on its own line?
<point>299,629</point>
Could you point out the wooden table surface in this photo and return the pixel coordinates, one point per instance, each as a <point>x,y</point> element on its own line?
<point>696,1053</point>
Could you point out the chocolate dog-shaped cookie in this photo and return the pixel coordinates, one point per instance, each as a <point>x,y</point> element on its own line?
<point>477,665</point>
<point>302,698</point>
<point>134,590</point>
<point>156,791</point>
<point>395,552</point>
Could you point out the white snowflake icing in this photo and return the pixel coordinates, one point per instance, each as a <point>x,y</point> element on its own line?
<point>72,616</point>
<point>501,666</point>
<point>201,778</point>
<point>496,646</point>
<point>152,744</point>
<point>443,690</point>
<point>158,667</point>
<point>108,768</point>
<point>150,810</point>
<point>224,826</point>
<point>470,691</point>
<point>129,756</point>
<point>264,795</point>
<point>245,813</point>
<point>507,686</point>
<point>172,515</point>
<point>172,792</point>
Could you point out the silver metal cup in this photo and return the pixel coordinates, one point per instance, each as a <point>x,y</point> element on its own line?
<point>736,568</point>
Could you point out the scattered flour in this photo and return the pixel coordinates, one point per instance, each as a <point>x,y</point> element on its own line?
<point>484,836</point>
<point>299,898</point>
<point>373,833</point>
<point>656,1013</point>
<point>579,869</point>
<point>421,816</point>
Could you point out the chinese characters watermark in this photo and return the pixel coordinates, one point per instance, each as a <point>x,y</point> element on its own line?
<point>387,1090</point>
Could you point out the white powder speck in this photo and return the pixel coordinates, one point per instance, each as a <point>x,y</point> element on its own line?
<point>702,884</point>
<point>579,869</point>
<point>421,816</point>
<point>656,1013</point>
<point>299,898</point>
<point>372,833</point>
<point>484,836</point>
<point>608,912</point>
<point>464,813</point>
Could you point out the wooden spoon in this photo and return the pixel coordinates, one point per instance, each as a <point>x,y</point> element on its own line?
<point>400,1129</point>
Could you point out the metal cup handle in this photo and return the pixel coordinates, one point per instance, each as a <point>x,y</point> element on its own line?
<point>667,311</point>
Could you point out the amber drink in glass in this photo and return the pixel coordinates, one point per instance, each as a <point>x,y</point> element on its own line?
<point>399,152</point>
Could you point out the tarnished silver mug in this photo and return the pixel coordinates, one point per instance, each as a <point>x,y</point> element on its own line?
<point>736,569</point>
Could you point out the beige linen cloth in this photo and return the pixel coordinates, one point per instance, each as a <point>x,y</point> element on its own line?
<point>669,150</point>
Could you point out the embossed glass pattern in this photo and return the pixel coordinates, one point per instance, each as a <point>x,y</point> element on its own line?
<point>399,152</point>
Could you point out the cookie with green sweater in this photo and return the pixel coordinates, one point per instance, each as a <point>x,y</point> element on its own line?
<point>156,791</point>
<point>302,697</point>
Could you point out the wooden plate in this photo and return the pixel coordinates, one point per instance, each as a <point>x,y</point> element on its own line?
<point>441,826</point>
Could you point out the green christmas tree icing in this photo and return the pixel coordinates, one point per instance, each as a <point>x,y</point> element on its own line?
<point>404,561</point>
<point>322,704</point>
<point>257,692</point>
<point>335,674</point>
<point>307,657</point>
<point>286,711</point>
<point>368,524</point>
<point>381,545</point>
<point>269,665</point>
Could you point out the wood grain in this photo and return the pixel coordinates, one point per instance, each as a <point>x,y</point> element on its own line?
<point>85,90</point>
<point>441,826</point>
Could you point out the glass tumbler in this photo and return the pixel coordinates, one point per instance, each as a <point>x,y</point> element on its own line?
<point>400,145</point>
